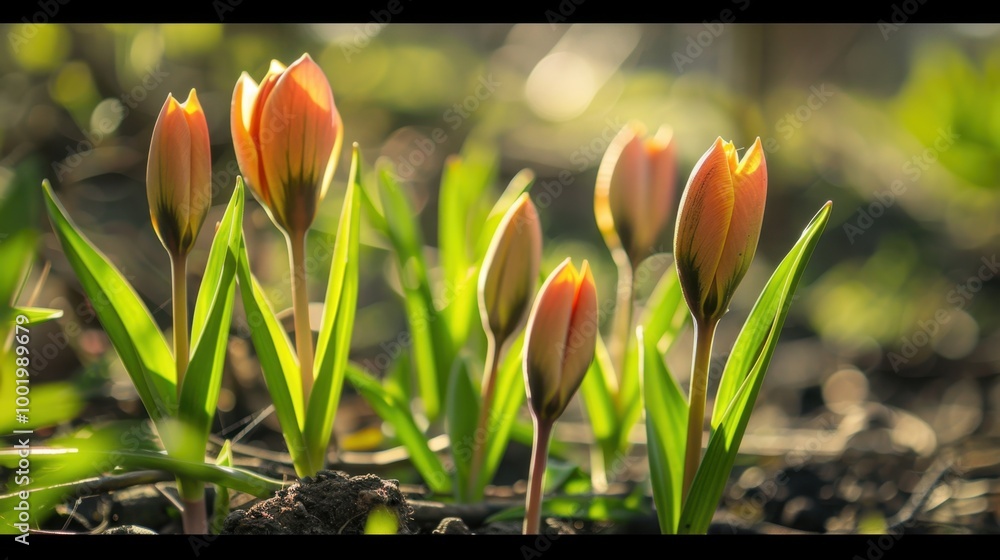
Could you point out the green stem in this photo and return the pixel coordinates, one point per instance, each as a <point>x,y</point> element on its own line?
<point>300,309</point>
<point>704,335</point>
<point>489,386</point>
<point>536,475</point>
<point>178,271</point>
<point>622,325</point>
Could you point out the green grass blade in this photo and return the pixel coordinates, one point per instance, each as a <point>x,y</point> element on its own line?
<point>38,315</point>
<point>462,416</point>
<point>743,376</point>
<point>338,322</point>
<point>277,363</point>
<point>598,390</point>
<point>508,396</point>
<point>210,332</point>
<point>666,424</point>
<point>462,213</point>
<point>397,414</point>
<point>665,314</point>
<point>222,497</point>
<point>125,319</point>
<point>429,352</point>
<point>17,252</point>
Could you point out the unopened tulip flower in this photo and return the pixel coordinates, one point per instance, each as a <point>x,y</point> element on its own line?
<point>179,188</point>
<point>287,134</point>
<point>558,349</point>
<point>507,283</point>
<point>633,202</point>
<point>718,226</point>
<point>179,174</point>
<point>634,195</point>
<point>509,273</point>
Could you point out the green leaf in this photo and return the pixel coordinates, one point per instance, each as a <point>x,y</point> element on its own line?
<point>428,344</point>
<point>508,396</point>
<point>743,376</point>
<point>210,330</point>
<point>38,315</point>
<point>598,389</point>
<point>16,254</point>
<point>591,508</point>
<point>125,319</point>
<point>338,322</point>
<point>278,364</point>
<point>461,216</point>
<point>520,184</point>
<point>238,479</point>
<point>462,419</point>
<point>51,403</point>
<point>666,314</point>
<point>666,427</point>
<point>397,414</point>
<point>222,497</point>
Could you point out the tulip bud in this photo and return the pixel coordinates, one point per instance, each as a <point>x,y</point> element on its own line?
<point>287,135</point>
<point>718,225</point>
<point>634,194</point>
<point>179,174</point>
<point>560,340</point>
<point>509,273</point>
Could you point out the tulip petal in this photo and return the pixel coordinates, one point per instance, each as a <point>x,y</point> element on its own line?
<point>244,98</point>
<point>608,182</point>
<point>702,224</point>
<point>546,338</point>
<point>750,190</point>
<point>297,135</point>
<point>200,185</point>
<point>168,175</point>
<point>661,151</point>
<point>582,335</point>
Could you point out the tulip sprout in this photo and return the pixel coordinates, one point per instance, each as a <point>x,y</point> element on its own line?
<point>559,347</point>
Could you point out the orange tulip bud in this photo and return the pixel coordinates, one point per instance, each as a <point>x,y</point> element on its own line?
<point>287,134</point>
<point>560,340</point>
<point>634,196</point>
<point>509,273</point>
<point>718,225</point>
<point>179,174</point>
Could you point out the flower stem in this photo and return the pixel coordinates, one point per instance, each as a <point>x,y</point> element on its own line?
<point>194,518</point>
<point>489,386</point>
<point>536,475</point>
<point>622,325</point>
<point>704,335</point>
<point>300,309</point>
<point>178,271</point>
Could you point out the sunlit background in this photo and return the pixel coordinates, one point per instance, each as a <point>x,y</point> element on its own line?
<point>898,126</point>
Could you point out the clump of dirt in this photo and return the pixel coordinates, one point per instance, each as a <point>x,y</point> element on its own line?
<point>329,503</point>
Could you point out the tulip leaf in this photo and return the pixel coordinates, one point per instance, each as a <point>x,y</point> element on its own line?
<point>666,425</point>
<point>397,414</point>
<point>462,213</point>
<point>199,395</point>
<point>222,498</point>
<point>126,320</point>
<point>38,315</point>
<point>598,389</point>
<point>666,313</point>
<point>278,364</point>
<point>428,345</point>
<point>338,321</point>
<point>743,376</point>
<point>462,419</point>
<point>508,396</point>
